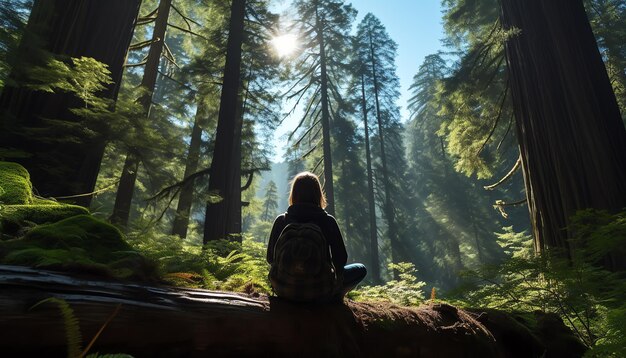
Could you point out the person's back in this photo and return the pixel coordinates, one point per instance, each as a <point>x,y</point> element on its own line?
<point>306,208</point>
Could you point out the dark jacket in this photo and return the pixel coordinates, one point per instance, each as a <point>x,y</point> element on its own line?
<point>309,213</point>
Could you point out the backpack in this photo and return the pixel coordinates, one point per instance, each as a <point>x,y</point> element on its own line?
<point>303,269</point>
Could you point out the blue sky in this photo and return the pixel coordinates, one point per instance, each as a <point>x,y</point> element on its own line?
<point>415,25</point>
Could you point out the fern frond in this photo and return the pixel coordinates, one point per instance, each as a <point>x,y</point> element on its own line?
<point>72,327</point>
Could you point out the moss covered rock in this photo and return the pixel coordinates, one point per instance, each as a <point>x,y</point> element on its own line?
<point>14,217</point>
<point>20,209</point>
<point>15,186</point>
<point>78,243</point>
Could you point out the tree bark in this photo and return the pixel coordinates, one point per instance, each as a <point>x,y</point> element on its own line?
<point>570,132</point>
<point>328,161</point>
<point>220,182</point>
<point>92,28</point>
<point>233,221</point>
<point>185,198</point>
<point>157,321</point>
<point>126,187</point>
<point>374,258</point>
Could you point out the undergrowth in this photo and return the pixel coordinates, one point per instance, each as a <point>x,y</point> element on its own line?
<point>406,290</point>
<point>219,265</point>
<point>589,299</point>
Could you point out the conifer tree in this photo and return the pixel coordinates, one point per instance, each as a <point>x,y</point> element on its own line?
<point>59,163</point>
<point>320,72</point>
<point>123,199</point>
<point>571,127</point>
<point>222,169</point>
<point>270,203</point>
<point>377,51</point>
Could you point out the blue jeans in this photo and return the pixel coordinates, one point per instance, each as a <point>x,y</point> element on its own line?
<point>352,275</point>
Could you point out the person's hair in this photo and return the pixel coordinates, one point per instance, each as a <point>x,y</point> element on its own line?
<point>306,188</point>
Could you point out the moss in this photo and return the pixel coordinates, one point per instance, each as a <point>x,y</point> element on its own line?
<point>16,186</point>
<point>78,243</point>
<point>47,202</point>
<point>14,217</point>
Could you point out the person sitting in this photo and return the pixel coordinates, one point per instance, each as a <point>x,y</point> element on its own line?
<point>307,220</point>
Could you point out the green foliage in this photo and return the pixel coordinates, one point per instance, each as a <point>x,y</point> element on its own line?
<point>219,265</point>
<point>73,336</point>
<point>13,217</point>
<point>407,290</point>
<point>589,299</point>
<point>84,77</point>
<point>79,242</point>
<point>15,184</point>
<point>271,202</point>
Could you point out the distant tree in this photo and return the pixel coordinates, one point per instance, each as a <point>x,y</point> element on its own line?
<point>324,26</point>
<point>371,201</point>
<point>270,203</point>
<point>377,52</point>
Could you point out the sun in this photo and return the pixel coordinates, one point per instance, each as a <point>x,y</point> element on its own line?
<point>285,45</point>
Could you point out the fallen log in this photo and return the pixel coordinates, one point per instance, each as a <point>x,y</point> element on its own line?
<point>172,322</point>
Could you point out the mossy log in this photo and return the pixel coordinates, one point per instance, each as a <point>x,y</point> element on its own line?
<point>171,322</point>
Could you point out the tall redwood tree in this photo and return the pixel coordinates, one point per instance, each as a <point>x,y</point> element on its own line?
<point>570,132</point>
<point>74,28</point>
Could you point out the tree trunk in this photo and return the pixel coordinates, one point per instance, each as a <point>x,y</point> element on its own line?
<point>125,190</point>
<point>390,213</point>
<point>233,223</point>
<point>185,198</point>
<point>97,29</point>
<point>328,162</point>
<point>164,322</point>
<point>374,259</point>
<point>220,182</point>
<point>571,136</point>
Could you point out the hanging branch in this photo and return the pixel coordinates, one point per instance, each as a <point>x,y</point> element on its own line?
<point>167,190</point>
<point>306,132</point>
<point>500,205</point>
<point>304,117</point>
<point>508,129</point>
<point>151,17</point>
<point>142,44</point>
<point>187,31</point>
<point>318,164</point>
<point>169,55</point>
<point>135,64</point>
<point>187,19</point>
<point>183,85</point>
<point>309,151</point>
<point>497,121</point>
<point>517,165</point>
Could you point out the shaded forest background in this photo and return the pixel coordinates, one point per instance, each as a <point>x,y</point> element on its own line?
<point>160,117</point>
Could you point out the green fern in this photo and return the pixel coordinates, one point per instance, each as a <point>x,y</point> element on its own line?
<point>73,336</point>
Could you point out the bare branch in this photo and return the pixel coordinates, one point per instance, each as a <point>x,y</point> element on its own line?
<point>517,165</point>
<point>187,31</point>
